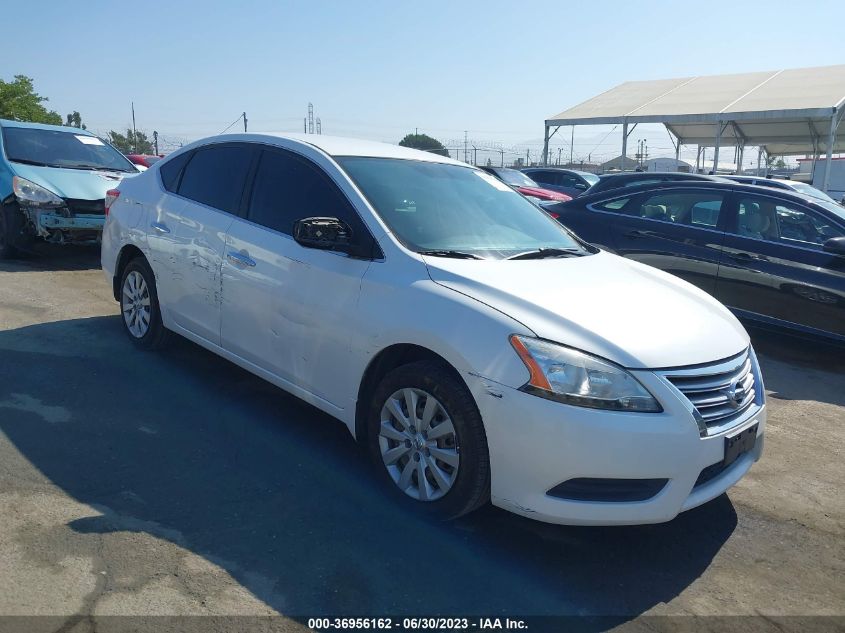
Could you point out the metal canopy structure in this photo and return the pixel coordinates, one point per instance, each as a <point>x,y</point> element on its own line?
<point>795,111</point>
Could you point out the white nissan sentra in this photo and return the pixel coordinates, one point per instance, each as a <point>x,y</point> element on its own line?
<point>479,349</point>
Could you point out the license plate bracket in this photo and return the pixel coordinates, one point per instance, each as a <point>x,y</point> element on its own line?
<point>739,444</point>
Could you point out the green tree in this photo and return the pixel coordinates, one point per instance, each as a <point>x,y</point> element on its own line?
<point>75,120</point>
<point>425,143</point>
<point>130,143</point>
<point>19,101</point>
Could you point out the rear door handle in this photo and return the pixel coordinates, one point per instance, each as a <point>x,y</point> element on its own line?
<point>240,259</point>
<point>636,234</point>
<point>161,228</point>
<point>748,257</point>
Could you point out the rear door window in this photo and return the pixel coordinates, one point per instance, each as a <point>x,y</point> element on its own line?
<point>693,208</point>
<point>216,175</point>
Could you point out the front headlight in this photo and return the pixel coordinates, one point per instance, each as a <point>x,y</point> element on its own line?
<point>32,194</point>
<point>567,375</point>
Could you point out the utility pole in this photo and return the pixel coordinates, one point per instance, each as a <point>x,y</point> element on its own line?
<point>502,152</point>
<point>310,118</point>
<point>465,146</point>
<point>474,155</point>
<point>155,141</point>
<point>244,122</point>
<point>134,132</point>
<point>305,125</point>
<point>319,126</point>
<point>571,144</point>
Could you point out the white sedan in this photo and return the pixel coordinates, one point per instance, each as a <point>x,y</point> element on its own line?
<point>479,349</point>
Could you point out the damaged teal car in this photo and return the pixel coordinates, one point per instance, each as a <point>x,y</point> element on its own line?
<point>53,184</point>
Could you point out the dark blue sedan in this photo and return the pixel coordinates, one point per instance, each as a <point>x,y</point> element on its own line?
<point>772,256</point>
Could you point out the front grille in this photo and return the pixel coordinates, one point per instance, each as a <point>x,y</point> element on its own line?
<point>86,207</point>
<point>722,393</point>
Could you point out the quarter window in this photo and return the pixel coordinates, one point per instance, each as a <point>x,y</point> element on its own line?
<point>171,169</point>
<point>216,176</point>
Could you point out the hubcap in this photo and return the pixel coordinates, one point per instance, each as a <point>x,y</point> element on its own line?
<point>135,304</point>
<point>419,445</point>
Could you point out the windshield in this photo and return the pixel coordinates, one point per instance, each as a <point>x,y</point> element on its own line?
<point>801,187</point>
<point>836,209</point>
<point>54,148</point>
<point>515,178</point>
<point>449,208</point>
<point>590,178</point>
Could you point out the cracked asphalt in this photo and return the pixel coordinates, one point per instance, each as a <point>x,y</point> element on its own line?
<point>177,484</point>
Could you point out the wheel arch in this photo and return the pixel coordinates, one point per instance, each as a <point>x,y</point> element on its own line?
<point>126,255</point>
<point>384,362</point>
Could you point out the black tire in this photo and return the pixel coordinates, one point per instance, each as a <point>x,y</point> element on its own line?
<point>11,222</point>
<point>471,487</point>
<point>156,335</point>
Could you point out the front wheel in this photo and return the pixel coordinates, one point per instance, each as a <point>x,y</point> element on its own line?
<point>139,306</point>
<point>427,438</point>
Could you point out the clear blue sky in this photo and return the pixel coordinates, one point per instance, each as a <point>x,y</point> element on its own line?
<point>379,69</point>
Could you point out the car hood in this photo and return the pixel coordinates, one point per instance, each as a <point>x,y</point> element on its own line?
<point>627,312</point>
<point>78,184</point>
<point>546,194</point>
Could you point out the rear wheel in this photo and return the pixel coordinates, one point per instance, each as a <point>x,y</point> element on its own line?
<point>427,438</point>
<point>139,306</point>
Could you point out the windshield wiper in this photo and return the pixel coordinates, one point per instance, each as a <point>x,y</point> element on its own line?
<point>37,163</point>
<point>543,253</point>
<point>93,167</point>
<point>448,253</point>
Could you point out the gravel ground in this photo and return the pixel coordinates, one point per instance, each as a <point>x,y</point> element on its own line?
<point>177,484</point>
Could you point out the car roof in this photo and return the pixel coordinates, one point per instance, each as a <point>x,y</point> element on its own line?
<point>44,126</point>
<point>335,146</point>
<point>788,194</point>
<point>561,169</point>
<point>632,175</point>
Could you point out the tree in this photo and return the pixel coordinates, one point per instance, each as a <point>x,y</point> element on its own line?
<point>130,143</point>
<point>425,143</point>
<point>75,120</point>
<point>20,102</point>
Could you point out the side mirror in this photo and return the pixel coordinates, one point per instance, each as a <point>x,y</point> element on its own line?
<point>835,245</point>
<point>328,234</point>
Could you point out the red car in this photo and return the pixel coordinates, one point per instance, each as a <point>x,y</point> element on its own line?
<point>524,185</point>
<point>145,160</point>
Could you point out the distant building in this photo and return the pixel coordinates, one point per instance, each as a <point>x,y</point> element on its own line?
<point>616,164</point>
<point>668,164</point>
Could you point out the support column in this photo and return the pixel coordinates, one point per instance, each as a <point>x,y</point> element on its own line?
<point>831,141</point>
<point>716,152</point>
<point>545,146</point>
<point>697,158</point>
<point>759,158</point>
<point>624,143</point>
<point>741,157</point>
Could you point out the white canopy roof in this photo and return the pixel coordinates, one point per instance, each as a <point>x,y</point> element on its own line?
<point>785,111</point>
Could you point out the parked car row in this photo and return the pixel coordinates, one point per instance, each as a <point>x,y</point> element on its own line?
<point>477,347</point>
<point>53,181</point>
<point>772,255</point>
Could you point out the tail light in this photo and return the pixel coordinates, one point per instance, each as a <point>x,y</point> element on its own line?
<point>111,196</point>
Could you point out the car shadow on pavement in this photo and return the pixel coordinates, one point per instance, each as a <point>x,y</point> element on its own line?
<point>43,256</point>
<point>191,449</point>
<point>800,368</point>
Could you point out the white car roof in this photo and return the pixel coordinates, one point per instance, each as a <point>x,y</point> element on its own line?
<point>339,146</point>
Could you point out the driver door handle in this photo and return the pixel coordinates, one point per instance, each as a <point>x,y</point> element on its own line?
<point>240,259</point>
<point>160,227</point>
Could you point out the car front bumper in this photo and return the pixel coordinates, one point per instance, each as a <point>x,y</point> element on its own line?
<point>536,444</point>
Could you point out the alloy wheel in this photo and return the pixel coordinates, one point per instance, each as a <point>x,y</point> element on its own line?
<point>136,304</point>
<point>419,445</point>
